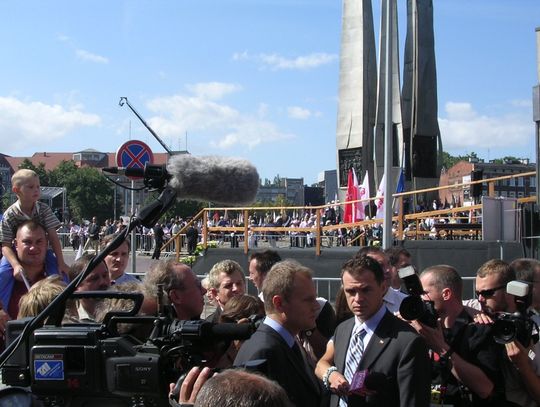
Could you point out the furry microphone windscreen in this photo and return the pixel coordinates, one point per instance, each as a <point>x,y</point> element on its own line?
<point>221,180</point>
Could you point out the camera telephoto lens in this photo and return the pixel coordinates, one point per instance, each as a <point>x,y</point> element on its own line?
<point>412,308</point>
<point>504,331</point>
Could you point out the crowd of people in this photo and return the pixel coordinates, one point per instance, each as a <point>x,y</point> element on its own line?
<point>305,351</point>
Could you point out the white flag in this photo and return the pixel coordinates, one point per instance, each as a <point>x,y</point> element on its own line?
<point>380,199</point>
<point>80,251</point>
<point>363,194</point>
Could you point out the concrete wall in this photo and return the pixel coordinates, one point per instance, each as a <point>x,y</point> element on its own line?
<point>465,255</point>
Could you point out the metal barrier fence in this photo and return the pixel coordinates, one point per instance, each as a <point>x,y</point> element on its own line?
<point>327,287</point>
<point>143,243</point>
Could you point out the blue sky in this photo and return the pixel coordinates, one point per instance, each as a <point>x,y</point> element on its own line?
<point>256,79</point>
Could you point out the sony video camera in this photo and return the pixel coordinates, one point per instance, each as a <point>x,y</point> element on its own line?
<point>517,325</point>
<point>92,365</point>
<point>414,307</point>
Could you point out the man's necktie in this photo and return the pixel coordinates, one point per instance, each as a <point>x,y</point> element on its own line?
<point>356,350</point>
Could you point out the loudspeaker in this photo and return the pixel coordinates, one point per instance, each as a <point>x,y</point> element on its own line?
<point>476,189</point>
<point>424,156</point>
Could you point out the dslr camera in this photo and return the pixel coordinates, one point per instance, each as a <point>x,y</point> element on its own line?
<point>516,326</point>
<point>414,307</point>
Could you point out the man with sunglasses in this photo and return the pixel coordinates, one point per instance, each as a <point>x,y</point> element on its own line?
<point>464,358</point>
<point>491,280</point>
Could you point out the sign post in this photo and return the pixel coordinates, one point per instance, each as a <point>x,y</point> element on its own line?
<point>134,154</point>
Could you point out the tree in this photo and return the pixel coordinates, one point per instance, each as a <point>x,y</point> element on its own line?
<point>39,170</point>
<point>449,161</point>
<point>89,194</point>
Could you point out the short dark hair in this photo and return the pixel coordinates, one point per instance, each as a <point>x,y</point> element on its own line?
<point>358,264</point>
<point>240,388</point>
<point>445,276</point>
<point>367,250</point>
<point>79,265</point>
<point>395,252</point>
<point>499,268</point>
<point>32,225</point>
<point>109,238</point>
<point>265,260</point>
<point>525,268</point>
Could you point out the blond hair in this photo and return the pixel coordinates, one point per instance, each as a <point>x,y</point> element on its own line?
<point>22,176</point>
<point>280,281</point>
<point>40,295</point>
<point>228,267</point>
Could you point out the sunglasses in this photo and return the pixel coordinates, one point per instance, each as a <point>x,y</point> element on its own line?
<point>489,292</point>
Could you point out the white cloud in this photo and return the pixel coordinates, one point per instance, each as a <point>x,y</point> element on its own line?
<point>465,129</point>
<point>296,112</point>
<point>527,103</point>
<point>88,56</point>
<point>278,62</point>
<point>24,124</point>
<point>223,125</point>
<point>213,90</point>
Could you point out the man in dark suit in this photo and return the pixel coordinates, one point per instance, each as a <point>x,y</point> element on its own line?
<point>291,306</point>
<point>393,358</point>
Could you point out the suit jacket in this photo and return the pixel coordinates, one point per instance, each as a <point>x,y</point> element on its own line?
<point>398,356</point>
<point>267,352</point>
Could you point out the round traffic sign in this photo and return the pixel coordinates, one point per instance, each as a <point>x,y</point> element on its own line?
<point>134,154</point>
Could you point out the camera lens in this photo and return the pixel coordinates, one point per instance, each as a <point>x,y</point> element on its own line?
<point>412,308</point>
<point>504,331</point>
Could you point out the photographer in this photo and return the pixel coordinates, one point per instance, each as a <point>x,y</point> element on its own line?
<point>464,358</point>
<point>491,281</point>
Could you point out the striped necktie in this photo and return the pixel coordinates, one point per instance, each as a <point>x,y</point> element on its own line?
<point>354,355</point>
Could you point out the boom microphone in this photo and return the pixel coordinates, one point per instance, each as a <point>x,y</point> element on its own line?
<point>224,180</point>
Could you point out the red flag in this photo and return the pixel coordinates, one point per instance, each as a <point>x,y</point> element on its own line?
<point>352,195</point>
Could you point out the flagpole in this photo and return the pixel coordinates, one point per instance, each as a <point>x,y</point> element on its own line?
<point>388,129</point>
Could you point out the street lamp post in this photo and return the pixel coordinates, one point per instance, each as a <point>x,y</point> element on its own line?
<point>114,203</point>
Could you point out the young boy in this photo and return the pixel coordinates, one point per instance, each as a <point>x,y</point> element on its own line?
<point>25,184</point>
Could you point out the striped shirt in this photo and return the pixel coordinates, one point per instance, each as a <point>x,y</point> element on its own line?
<point>14,216</point>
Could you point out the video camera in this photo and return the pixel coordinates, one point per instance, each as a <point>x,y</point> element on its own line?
<point>517,325</point>
<point>91,365</point>
<point>414,307</point>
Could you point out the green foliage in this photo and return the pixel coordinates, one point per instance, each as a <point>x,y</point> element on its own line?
<point>449,161</point>
<point>89,194</point>
<point>39,170</point>
<point>182,208</point>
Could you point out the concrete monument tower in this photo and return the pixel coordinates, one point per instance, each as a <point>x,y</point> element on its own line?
<point>422,138</point>
<point>397,129</point>
<point>357,92</point>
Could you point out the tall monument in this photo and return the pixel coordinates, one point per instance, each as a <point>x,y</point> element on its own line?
<point>422,138</point>
<point>416,139</point>
<point>395,105</point>
<point>357,91</point>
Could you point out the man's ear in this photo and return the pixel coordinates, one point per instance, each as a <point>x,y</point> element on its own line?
<point>15,189</point>
<point>277,300</point>
<point>446,294</point>
<point>214,293</point>
<point>173,297</point>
